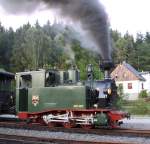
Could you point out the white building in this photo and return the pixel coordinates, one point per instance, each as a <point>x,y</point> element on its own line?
<point>146,84</point>
<point>130,79</point>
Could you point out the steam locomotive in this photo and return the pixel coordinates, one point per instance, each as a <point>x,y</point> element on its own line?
<point>55,97</point>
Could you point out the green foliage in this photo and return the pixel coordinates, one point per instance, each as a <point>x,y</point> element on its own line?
<point>33,47</point>
<point>83,57</point>
<point>54,45</point>
<point>140,108</point>
<point>143,94</point>
<point>125,49</point>
<point>120,99</point>
<point>136,52</point>
<point>6,42</point>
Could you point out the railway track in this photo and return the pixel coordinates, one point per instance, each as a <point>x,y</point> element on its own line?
<point>14,139</point>
<point>111,132</point>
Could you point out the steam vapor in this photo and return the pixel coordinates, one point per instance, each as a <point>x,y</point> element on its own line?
<point>89,13</point>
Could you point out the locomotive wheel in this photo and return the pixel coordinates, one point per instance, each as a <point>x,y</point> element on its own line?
<point>87,127</point>
<point>51,124</point>
<point>41,121</point>
<point>68,125</point>
<point>113,125</point>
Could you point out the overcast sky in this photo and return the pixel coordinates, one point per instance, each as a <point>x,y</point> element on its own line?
<point>129,15</point>
<point>125,15</point>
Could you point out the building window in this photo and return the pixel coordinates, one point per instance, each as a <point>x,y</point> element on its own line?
<point>129,85</point>
<point>142,86</point>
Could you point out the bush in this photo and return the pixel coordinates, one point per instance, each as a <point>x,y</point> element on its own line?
<point>140,108</point>
<point>143,94</point>
<point>120,98</point>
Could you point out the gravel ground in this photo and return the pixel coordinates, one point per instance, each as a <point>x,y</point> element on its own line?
<point>137,122</point>
<point>75,136</point>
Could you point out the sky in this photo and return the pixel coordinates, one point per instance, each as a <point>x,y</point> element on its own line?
<point>124,15</point>
<point>129,15</point>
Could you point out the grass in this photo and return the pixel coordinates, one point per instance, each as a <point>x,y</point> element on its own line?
<point>138,107</point>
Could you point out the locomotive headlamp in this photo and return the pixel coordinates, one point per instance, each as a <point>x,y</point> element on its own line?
<point>109,91</point>
<point>97,89</point>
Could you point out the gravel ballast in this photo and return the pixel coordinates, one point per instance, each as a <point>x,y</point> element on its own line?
<point>137,122</point>
<point>73,136</point>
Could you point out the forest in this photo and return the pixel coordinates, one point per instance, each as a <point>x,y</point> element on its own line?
<point>54,45</point>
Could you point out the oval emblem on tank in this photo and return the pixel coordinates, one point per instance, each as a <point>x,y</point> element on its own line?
<point>35,100</point>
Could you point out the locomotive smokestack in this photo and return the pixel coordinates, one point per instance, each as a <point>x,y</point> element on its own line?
<point>106,66</point>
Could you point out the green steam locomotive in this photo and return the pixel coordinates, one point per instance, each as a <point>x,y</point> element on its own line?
<point>57,97</point>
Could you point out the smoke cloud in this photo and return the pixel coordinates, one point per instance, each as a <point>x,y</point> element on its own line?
<point>89,13</point>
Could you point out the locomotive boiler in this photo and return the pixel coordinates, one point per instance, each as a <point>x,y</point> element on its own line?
<point>57,97</point>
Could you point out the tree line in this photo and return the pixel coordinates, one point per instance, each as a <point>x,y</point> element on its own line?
<point>52,45</point>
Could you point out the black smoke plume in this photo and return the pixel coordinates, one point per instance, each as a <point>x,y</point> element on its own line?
<point>89,13</point>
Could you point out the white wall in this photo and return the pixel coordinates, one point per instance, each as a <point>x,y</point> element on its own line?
<point>131,94</point>
<point>146,84</point>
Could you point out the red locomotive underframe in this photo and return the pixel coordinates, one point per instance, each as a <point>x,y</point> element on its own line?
<point>114,115</point>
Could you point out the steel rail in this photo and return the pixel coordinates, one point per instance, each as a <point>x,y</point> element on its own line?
<point>40,140</point>
<point>111,132</point>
